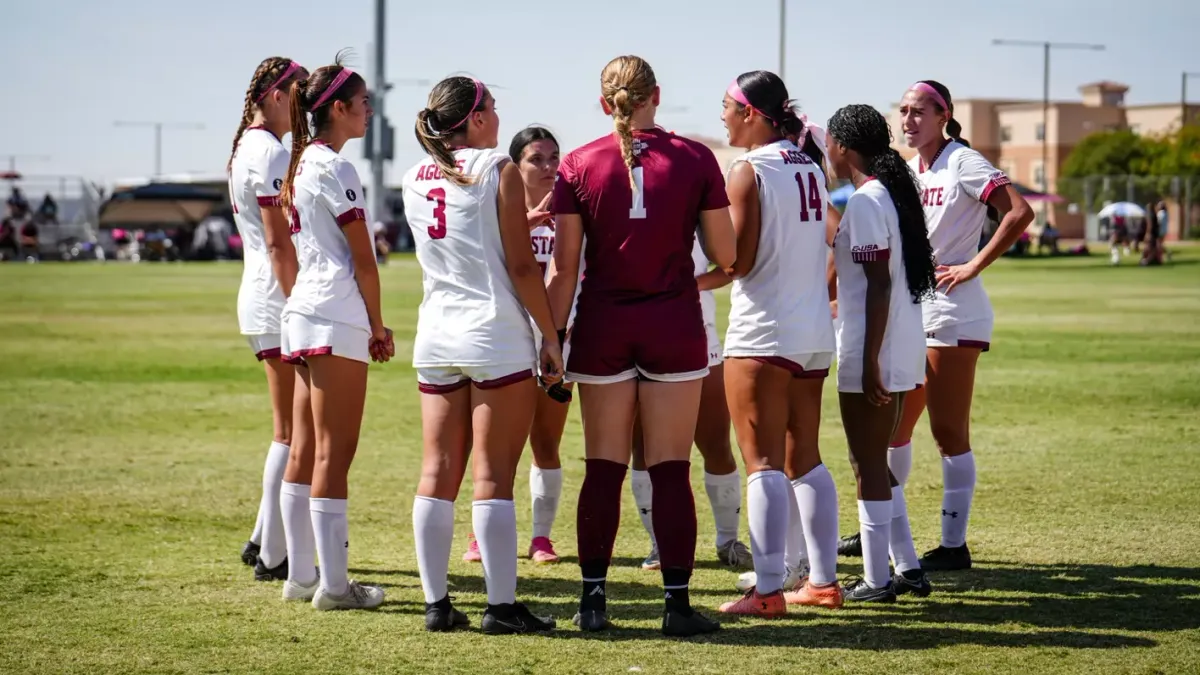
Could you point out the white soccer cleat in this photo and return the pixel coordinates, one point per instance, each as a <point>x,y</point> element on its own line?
<point>296,591</point>
<point>794,579</point>
<point>357,596</point>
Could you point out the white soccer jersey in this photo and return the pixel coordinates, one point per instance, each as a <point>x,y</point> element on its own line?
<point>781,308</point>
<point>870,231</point>
<point>954,190</point>
<point>542,238</point>
<point>259,167</point>
<point>470,315</point>
<point>327,197</point>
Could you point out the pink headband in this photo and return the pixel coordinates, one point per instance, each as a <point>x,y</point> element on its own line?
<point>478,97</point>
<point>735,93</point>
<point>292,67</point>
<point>928,89</point>
<point>329,91</point>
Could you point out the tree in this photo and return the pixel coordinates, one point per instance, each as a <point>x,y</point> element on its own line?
<point>1117,155</point>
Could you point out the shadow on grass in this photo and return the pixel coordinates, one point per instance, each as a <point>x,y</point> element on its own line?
<point>1060,605</point>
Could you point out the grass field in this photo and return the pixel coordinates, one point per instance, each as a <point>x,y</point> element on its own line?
<point>133,423</point>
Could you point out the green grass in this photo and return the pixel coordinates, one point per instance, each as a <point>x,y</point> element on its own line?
<point>133,423</point>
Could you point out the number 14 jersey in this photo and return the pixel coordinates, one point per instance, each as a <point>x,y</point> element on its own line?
<point>470,314</point>
<point>781,308</point>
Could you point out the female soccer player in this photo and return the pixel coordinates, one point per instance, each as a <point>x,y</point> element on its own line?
<point>332,320</point>
<point>721,479</point>
<point>535,152</point>
<point>474,351</point>
<point>885,268</point>
<point>957,186</point>
<point>257,167</point>
<point>638,345</point>
<point>780,341</point>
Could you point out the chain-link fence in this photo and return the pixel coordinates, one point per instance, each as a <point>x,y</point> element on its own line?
<point>1087,197</point>
<point>58,212</point>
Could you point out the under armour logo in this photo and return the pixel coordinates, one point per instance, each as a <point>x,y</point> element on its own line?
<point>645,512</point>
<point>952,514</point>
<point>764,605</point>
<point>597,590</point>
<point>668,595</point>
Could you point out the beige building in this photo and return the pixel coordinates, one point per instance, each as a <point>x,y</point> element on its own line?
<point>1010,133</point>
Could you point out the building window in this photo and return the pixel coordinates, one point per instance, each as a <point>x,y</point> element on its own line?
<point>1005,134</point>
<point>1041,132</point>
<point>1039,173</point>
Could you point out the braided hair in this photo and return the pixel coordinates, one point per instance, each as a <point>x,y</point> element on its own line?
<point>862,129</point>
<point>266,75</point>
<point>626,83</point>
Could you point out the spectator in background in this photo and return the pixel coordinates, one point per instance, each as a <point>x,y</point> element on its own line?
<point>1119,239</point>
<point>1048,239</point>
<point>8,239</point>
<point>17,204</point>
<point>1153,255</point>
<point>382,247</point>
<point>48,211</point>
<point>1160,212</point>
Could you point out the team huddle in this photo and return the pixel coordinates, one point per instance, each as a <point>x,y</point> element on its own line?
<point>593,273</point>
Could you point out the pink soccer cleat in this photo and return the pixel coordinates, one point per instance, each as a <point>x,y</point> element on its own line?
<point>541,551</point>
<point>472,554</point>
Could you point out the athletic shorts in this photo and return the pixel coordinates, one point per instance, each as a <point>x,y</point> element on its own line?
<point>265,346</point>
<point>813,366</point>
<point>664,341</point>
<point>849,377</point>
<point>309,336</point>
<point>446,379</point>
<point>715,357</point>
<point>977,334</point>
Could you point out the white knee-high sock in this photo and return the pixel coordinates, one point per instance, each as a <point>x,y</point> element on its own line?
<point>495,523</point>
<point>433,531</point>
<point>643,496</point>
<point>767,500</point>
<point>795,548</point>
<point>256,535</point>
<point>816,496</point>
<point>274,541</point>
<point>545,488</point>
<point>904,553</point>
<point>725,497</point>
<point>333,542</point>
<point>298,530</point>
<point>958,491</point>
<point>875,524</point>
<point>900,462</point>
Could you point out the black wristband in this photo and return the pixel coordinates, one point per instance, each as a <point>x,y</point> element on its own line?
<point>562,337</point>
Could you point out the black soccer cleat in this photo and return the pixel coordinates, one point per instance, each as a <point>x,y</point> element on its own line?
<point>850,546</point>
<point>686,623</point>
<point>592,620</point>
<point>912,581</point>
<point>947,559</point>
<point>250,553</point>
<point>264,573</point>
<point>441,616</point>
<point>513,619</point>
<point>858,591</point>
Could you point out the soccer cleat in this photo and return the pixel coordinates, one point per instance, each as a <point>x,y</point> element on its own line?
<point>264,573</point>
<point>793,581</point>
<point>296,591</point>
<point>591,620</point>
<point>912,581</point>
<point>250,553</point>
<point>770,606</point>
<point>652,562</point>
<point>357,596</point>
<point>441,616</point>
<point>857,590</point>
<point>472,554</point>
<point>850,546</point>
<point>811,595</point>
<point>946,559</point>
<point>686,623</point>
<point>541,551</point>
<point>513,619</point>
<point>735,554</point>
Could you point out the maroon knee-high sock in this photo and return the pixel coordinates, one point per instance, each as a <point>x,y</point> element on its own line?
<point>674,513</point>
<point>597,520</point>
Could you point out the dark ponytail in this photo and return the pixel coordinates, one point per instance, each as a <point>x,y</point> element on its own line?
<point>953,128</point>
<point>862,129</point>
<point>450,106</point>
<point>526,136</point>
<point>767,93</point>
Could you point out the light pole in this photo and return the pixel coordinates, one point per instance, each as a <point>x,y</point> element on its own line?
<point>1046,47</point>
<point>1183,104</point>
<point>158,129</point>
<point>12,160</point>
<point>782,38</point>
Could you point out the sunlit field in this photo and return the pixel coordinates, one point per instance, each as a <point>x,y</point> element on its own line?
<point>134,421</point>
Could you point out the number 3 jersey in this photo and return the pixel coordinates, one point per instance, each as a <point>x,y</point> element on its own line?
<point>781,308</point>
<point>470,314</point>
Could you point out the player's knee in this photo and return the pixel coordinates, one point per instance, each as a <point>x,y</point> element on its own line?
<point>950,439</point>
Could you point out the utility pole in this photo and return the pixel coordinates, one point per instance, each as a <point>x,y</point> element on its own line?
<point>782,39</point>
<point>12,160</point>
<point>1046,47</point>
<point>378,153</point>
<point>158,129</point>
<point>1183,104</point>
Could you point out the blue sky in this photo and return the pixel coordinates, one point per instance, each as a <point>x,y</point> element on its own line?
<point>74,67</point>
